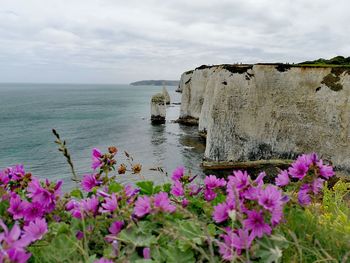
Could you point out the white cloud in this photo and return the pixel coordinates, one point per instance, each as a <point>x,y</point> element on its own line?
<point>121,41</point>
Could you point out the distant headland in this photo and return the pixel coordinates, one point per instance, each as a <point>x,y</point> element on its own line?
<point>156,83</point>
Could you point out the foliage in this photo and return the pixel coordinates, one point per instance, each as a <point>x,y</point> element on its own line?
<point>299,219</point>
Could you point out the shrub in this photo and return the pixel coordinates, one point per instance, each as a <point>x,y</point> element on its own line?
<point>233,219</point>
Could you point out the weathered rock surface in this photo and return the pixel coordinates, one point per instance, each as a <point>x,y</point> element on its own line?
<point>265,111</point>
<point>158,108</point>
<point>166,95</point>
<point>184,80</point>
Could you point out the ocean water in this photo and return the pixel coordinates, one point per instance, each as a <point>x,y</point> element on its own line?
<point>89,116</point>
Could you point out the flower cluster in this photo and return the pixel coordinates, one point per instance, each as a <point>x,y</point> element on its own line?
<point>310,172</point>
<point>252,208</point>
<point>107,218</point>
<point>29,200</point>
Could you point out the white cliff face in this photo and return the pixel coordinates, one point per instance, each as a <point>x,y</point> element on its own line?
<point>261,112</point>
<point>184,80</point>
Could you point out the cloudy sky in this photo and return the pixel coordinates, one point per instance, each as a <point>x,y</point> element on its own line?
<point>118,41</point>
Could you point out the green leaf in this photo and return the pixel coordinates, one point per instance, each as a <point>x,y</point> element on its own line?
<point>166,187</point>
<point>3,207</point>
<point>77,193</point>
<point>114,187</point>
<point>191,230</point>
<point>146,187</point>
<point>175,255</point>
<point>136,238</point>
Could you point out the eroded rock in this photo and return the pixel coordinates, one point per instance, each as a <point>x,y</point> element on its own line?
<point>269,111</point>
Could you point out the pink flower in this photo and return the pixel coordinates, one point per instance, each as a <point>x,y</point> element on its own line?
<point>96,158</point>
<point>300,166</point>
<point>317,185</point>
<point>255,222</point>
<point>178,173</point>
<point>270,198</point>
<point>16,208</point>
<point>45,195</point>
<point>116,227</point>
<point>282,178</point>
<point>209,194</point>
<point>36,229</point>
<point>16,255</point>
<point>239,179</point>
<point>184,203</point>
<point>326,171</point>
<point>110,204</point>
<point>142,206</point>
<point>146,253</point>
<point>32,211</point>
<point>304,198</point>
<point>89,181</point>
<point>221,212</point>
<point>4,177</point>
<point>130,191</point>
<point>212,182</point>
<point>241,240</point>
<point>13,238</point>
<point>90,205</point>
<point>177,189</point>
<point>162,202</point>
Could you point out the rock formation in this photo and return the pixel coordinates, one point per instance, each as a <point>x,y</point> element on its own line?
<point>158,109</point>
<point>184,80</point>
<point>265,111</point>
<point>166,95</point>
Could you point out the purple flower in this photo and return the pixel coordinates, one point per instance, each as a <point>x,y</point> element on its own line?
<point>36,229</point>
<point>209,194</point>
<point>130,191</point>
<point>116,227</point>
<point>270,198</point>
<point>184,203</point>
<point>96,158</point>
<point>16,255</point>
<point>241,240</point>
<point>110,204</point>
<point>282,178</point>
<point>212,182</point>
<point>162,201</point>
<point>300,166</point>
<point>13,238</point>
<point>194,189</point>
<point>304,198</point>
<point>142,206</point>
<point>89,181</point>
<point>221,211</point>
<point>177,189</point>
<point>317,185</point>
<point>326,171</point>
<point>239,179</point>
<point>4,177</point>
<point>32,211</point>
<point>90,205</point>
<point>178,173</point>
<point>79,235</point>
<point>16,208</point>
<point>255,222</point>
<point>146,253</point>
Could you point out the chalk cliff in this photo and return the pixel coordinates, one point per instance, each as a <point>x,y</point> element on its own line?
<point>265,111</point>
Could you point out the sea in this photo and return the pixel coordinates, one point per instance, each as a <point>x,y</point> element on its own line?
<point>89,116</point>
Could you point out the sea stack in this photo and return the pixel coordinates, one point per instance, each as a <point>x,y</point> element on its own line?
<point>158,108</point>
<point>166,95</point>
